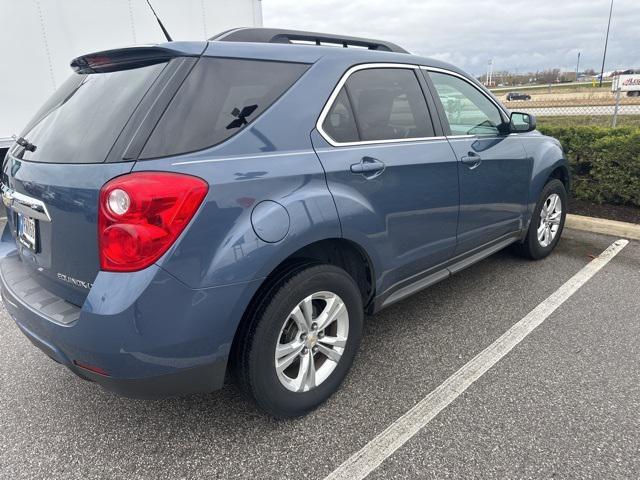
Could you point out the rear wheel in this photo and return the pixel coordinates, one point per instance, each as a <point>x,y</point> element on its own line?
<point>301,341</point>
<point>547,222</point>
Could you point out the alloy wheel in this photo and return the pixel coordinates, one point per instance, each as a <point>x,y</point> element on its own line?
<point>550,217</point>
<point>311,341</point>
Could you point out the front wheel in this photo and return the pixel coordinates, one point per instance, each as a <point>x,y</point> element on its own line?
<point>302,341</point>
<point>547,221</point>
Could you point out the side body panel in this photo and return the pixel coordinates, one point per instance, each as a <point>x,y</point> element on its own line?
<point>406,218</point>
<point>494,192</point>
<point>221,245</point>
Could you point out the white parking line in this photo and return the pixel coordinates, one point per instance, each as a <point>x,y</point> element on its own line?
<point>363,462</point>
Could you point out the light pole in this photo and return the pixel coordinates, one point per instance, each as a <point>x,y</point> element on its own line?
<point>606,41</point>
<point>578,66</point>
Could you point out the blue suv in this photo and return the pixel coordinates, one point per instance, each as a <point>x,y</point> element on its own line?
<point>189,211</point>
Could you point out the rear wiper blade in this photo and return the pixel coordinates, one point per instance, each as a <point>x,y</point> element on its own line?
<point>23,142</point>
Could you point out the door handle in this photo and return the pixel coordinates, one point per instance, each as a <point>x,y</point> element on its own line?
<point>471,160</point>
<point>369,167</point>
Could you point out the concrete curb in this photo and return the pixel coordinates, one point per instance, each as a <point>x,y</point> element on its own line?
<point>600,225</point>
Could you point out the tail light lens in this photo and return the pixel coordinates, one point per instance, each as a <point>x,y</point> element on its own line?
<point>142,214</point>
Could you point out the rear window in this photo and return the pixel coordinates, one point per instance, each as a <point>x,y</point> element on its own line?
<point>83,118</point>
<point>220,97</point>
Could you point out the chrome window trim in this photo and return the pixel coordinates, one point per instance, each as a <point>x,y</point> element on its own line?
<point>455,137</point>
<point>407,66</point>
<point>501,108</point>
<point>336,92</point>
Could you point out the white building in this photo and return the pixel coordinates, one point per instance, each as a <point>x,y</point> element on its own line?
<point>39,38</point>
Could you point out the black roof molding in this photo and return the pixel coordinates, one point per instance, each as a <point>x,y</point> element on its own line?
<point>275,35</point>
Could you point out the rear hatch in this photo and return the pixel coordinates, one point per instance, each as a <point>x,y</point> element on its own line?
<point>52,176</point>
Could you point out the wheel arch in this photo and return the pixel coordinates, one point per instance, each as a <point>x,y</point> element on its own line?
<point>561,173</point>
<point>549,162</point>
<point>339,252</point>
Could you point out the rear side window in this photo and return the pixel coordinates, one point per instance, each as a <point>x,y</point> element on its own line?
<point>340,123</point>
<point>83,118</point>
<point>219,98</point>
<point>389,104</point>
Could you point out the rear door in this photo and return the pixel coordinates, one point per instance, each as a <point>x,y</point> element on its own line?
<point>393,176</point>
<point>493,166</point>
<point>51,182</point>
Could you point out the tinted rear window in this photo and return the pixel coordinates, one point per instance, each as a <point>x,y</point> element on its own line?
<point>83,118</point>
<point>220,97</point>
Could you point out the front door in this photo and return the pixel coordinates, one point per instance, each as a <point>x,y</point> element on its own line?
<point>493,165</point>
<point>394,182</point>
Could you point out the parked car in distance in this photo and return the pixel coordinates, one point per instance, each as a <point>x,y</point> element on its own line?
<point>511,96</point>
<point>181,212</point>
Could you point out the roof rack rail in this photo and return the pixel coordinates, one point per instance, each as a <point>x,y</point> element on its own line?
<point>275,35</point>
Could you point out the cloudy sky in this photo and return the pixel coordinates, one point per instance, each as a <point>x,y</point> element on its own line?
<point>517,34</point>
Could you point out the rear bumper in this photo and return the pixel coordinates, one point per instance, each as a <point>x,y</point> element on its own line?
<point>151,335</point>
<point>201,379</point>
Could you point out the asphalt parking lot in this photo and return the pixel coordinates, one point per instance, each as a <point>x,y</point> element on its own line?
<point>564,403</point>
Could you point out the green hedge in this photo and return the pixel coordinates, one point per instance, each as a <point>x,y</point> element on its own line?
<point>605,162</point>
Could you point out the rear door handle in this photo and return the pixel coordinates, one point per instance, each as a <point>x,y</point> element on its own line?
<point>369,167</point>
<point>471,160</point>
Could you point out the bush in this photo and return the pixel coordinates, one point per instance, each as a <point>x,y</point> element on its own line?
<point>605,162</point>
<point>590,120</point>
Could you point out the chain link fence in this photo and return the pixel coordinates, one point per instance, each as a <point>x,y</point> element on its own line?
<point>588,105</point>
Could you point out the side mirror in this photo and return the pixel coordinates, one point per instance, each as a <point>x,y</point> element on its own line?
<point>522,122</point>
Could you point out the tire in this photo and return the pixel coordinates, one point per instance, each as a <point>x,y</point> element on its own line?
<point>537,248</point>
<point>276,322</point>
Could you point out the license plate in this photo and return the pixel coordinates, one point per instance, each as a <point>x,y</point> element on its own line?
<point>27,233</point>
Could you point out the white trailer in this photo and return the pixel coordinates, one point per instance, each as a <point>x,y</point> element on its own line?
<point>629,83</point>
<point>38,39</point>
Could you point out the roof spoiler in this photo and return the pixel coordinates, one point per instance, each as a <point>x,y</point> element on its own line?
<point>275,35</point>
<point>124,59</point>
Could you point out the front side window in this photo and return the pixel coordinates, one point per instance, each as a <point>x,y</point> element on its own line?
<point>468,111</point>
<point>219,98</point>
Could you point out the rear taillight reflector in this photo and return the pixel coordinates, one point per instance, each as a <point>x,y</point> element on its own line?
<point>141,215</point>
<point>91,368</point>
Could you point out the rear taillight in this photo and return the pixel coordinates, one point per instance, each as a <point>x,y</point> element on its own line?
<point>141,215</point>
